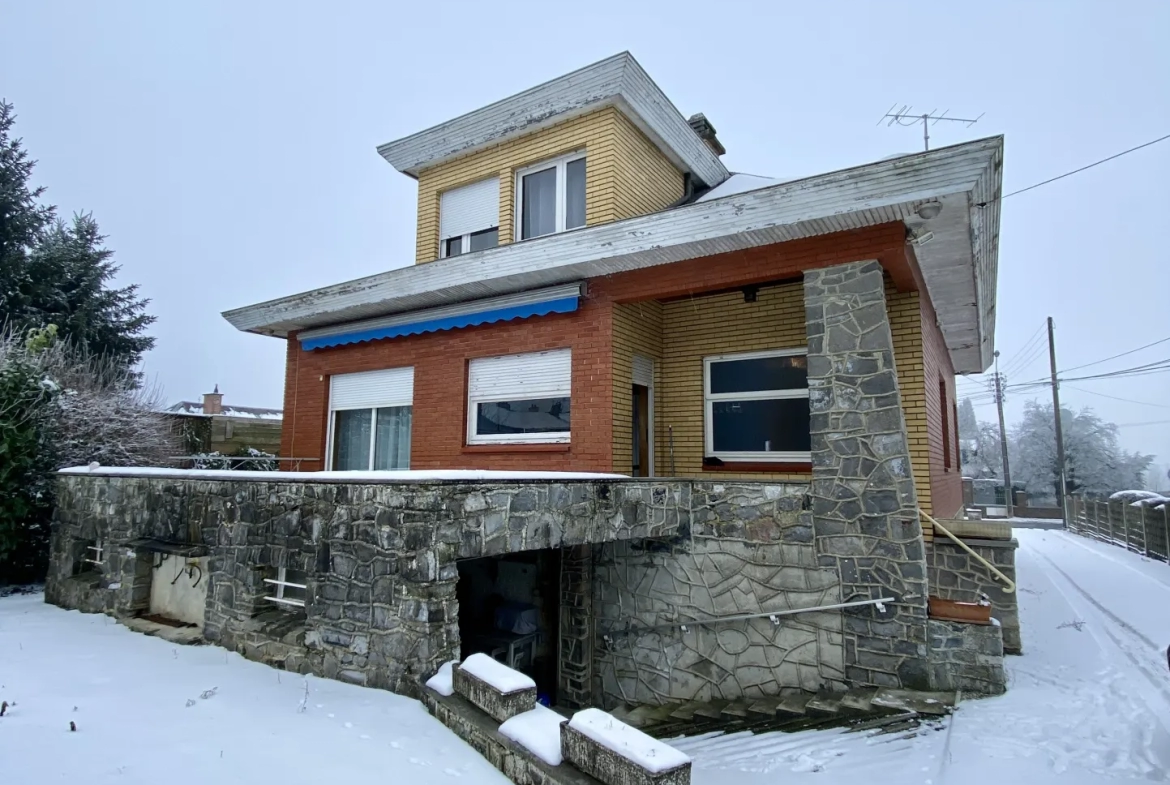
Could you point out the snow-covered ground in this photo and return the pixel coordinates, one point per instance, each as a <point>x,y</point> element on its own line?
<point>140,716</point>
<point>1089,702</point>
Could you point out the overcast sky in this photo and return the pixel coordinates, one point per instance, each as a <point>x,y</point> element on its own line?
<point>227,148</point>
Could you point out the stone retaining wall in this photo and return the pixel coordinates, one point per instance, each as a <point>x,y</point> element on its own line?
<point>956,575</point>
<point>967,657</point>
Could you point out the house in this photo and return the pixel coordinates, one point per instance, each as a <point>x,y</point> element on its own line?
<point>756,376</point>
<point>210,425</point>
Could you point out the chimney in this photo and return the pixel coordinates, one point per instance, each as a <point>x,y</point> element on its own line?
<point>213,402</point>
<point>706,132</point>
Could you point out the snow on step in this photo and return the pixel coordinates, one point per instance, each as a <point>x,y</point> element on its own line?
<point>630,743</point>
<point>538,731</point>
<point>496,674</point>
<point>442,682</point>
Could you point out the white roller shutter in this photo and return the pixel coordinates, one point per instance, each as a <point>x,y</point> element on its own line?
<point>469,209</point>
<point>372,389</point>
<point>521,376</point>
<point>643,371</point>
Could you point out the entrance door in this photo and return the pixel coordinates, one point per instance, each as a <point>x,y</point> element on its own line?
<point>643,417</point>
<point>641,399</point>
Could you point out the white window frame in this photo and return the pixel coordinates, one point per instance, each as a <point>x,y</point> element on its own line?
<point>98,551</point>
<point>473,401</point>
<point>709,399</point>
<point>279,584</point>
<point>559,164</point>
<point>465,242</point>
<point>372,408</point>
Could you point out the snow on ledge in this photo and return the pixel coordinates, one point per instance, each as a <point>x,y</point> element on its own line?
<point>496,674</point>
<point>538,731</point>
<point>631,743</point>
<point>442,682</point>
<point>464,475</point>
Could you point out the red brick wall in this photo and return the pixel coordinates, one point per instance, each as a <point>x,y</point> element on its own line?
<point>440,359</point>
<point>946,484</point>
<point>440,391</point>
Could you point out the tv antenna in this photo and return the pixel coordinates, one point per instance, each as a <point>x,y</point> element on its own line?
<point>906,116</point>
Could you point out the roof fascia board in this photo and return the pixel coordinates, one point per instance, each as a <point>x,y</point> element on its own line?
<point>617,80</point>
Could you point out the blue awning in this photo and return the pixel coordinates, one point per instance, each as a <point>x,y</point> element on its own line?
<point>559,299</point>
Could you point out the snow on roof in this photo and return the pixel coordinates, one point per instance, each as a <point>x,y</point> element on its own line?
<point>463,475</point>
<point>254,412</point>
<point>739,183</point>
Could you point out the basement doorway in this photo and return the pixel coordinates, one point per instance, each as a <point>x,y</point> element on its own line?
<point>509,609</point>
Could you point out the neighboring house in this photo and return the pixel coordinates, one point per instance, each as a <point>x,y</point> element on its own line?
<point>594,291</point>
<point>773,362</point>
<point>210,425</point>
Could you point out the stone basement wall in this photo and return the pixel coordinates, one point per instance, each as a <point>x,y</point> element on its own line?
<point>864,507</point>
<point>751,550</point>
<point>967,657</point>
<point>955,575</point>
<point>380,557</point>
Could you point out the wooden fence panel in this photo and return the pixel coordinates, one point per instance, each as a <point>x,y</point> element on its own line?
<point>1144,530</point>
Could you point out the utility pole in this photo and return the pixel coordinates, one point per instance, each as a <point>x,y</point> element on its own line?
<point>1056,416</point>
<point>1003,445</point>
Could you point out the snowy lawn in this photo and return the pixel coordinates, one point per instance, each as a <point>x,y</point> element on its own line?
<point>1089,703</point>
<point>128,695</point>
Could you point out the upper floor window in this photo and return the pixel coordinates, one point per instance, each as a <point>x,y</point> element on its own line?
<point>519,398</point>
<point>370,418</point>
<point>757,406</point>
<point>550,196</point>
<point>469,218</point>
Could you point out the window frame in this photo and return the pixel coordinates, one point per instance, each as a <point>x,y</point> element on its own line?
<point>710,399</point>
<point>331,423</point>
<point>560,163</point>
<point>465,242</point>
<point>280,583</point>
<point>945,405</point>
<point>548,437</point>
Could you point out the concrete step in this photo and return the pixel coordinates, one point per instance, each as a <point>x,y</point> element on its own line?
<point>712,710</point>
<point>686,711</point>
<point>737,709</point>
<point>825,704</point>
<point>926,703</point>
<point>858,701</point>
<point>645,716</point>
<point>794,705</point>
<point>765,707</point>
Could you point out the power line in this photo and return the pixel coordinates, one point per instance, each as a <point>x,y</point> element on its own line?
<point>1114,357</point>
<point>1114,397</point>
<point>1083,168</point>
<point>1027,345</point>
<point>1135,424</point>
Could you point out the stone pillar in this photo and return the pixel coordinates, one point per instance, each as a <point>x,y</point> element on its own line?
<point>865,511</point>
<point>575,663</point>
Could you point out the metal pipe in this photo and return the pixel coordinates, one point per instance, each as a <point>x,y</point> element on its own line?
<point>880,602</point>
<point>1010,584</point>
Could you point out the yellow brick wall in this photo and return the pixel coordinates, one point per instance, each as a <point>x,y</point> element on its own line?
<point>637,329</point>
<point>906,326</point>
<point>716,324</point>
<point>625,175</point>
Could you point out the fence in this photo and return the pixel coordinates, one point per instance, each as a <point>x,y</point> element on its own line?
<point>1142,529</point>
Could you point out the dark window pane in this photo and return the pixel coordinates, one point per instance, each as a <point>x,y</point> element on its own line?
<point>539,207</point>
<point>488,238</point>
<point>544,415</point>
<point>453,246</point>
<point>762,373</point>
<point>351,440</point>
<point>575,194</point>
<point>392,440</point>
<point>761,426</point>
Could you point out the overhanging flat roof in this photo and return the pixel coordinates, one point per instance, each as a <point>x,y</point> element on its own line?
<point>959,265</point>
<point>615,81</point>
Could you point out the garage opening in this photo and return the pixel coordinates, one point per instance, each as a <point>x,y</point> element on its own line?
<point>509,609</point>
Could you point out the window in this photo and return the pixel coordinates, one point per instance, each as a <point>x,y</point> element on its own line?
<point>519,398</point>
<point>88,556</point>
<point>958,444</point>
<point>944,406</point>
<point>551,196</point>
<point>469,218</point>
<point>370,419</point>
<point>757,406</point>
<point>289,587</point>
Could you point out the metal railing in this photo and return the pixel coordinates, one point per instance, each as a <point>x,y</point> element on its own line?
<point>773,616</point>
<point>1009,584</point>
